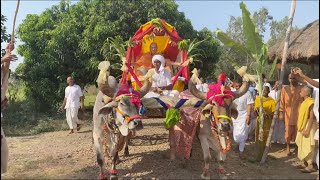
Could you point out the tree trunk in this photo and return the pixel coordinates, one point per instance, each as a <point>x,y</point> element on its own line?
<point>260,121</point>
<point>283,64</point>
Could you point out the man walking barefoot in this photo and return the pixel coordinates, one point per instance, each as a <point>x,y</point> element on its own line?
<point>71,103</point>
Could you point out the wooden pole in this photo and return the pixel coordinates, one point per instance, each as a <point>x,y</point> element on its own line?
<point>6,65</point>
<point>283,64</point>
<point>14,21</point>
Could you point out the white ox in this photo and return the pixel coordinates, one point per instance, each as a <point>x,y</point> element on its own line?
<point>113,123</point>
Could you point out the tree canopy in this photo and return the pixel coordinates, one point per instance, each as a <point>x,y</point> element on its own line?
<point>5,37</point>
<point>68,39</point>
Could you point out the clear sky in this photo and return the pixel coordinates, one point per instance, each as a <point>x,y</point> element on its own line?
<point>210,14</point>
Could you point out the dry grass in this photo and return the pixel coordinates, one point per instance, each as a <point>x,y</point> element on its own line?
<point>303,45</point>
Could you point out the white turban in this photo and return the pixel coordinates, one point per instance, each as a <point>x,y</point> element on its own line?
<point>160,58</point>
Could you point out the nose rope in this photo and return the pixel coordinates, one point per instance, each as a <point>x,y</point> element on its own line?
<point>126,117</point>
<point>216,134</point>
<point>225,117</point>
<point>216,118</point>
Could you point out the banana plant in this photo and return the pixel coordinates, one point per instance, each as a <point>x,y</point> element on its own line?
<point>192,49</point>
<point>255,49</point>
<point>115,48</point>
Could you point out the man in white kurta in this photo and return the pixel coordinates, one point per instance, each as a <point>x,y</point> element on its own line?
<point>241,125</point>
<point>161,79</point>
<point>316,113</point>
<point>71,103</point>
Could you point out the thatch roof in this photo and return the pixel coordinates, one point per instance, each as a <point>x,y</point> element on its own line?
<point>303,45</point>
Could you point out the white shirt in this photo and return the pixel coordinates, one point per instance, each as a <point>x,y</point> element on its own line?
<point>73,94</point>
<point>315,96</point>
<point>161,79</point>
<point>274,94</point>
<point>242,103</point>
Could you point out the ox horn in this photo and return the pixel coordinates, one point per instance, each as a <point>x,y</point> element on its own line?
<point>194,91</point>
<point>109,87</point>
<point>242,90</point>
<point>145,88</point>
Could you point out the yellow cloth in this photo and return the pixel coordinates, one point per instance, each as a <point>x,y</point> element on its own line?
<point>269,104</point>
<point>179,86</point>
<point>161,41</point>
<point>304,113</point>
<point>305,144</point>
<point>135,85</point>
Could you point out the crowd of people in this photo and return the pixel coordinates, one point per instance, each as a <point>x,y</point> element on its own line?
<point>297,123</point>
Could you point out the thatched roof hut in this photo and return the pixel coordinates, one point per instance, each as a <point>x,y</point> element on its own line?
<point>303,47</point>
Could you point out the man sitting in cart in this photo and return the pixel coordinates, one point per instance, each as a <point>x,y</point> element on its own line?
<point>144,63</point>
<point>161,79</point>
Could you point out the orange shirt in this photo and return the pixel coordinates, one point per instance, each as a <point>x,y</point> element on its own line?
<point>145,61</point>
<point>290,103</point>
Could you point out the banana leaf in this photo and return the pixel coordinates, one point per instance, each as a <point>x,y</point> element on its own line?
<point>253,40</point>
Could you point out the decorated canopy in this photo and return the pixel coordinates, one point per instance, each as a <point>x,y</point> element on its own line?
<point>165,36</point>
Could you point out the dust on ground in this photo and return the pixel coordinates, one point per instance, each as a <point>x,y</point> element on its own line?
<point>56,155</point>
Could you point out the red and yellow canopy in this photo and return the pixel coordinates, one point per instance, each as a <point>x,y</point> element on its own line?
<point>164,35</point>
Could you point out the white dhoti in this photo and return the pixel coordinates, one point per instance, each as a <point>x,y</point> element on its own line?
<point>240,131</point>
<point>279,132</point>
<point>172,93</point>
<point>72,117</point>
<point>4,153</point>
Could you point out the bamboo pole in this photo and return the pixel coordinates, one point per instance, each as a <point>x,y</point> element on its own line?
<point>283,64</point>
<point>6,65</point>
<point>14,21</point>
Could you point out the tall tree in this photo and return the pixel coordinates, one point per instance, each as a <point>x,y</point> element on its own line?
<point>210,53</point>
<point>5,37</point>
<point>278,30</point>
<point>261,20</point>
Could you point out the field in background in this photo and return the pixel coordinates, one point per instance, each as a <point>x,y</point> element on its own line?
<point>21,120</point>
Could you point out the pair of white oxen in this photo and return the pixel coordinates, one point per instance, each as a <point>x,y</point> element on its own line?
<point>113,126</point>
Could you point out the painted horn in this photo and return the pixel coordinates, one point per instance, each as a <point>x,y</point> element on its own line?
<point>109,87</point>
<point>194,91</point>
<point>145,88</point>
<point>242,90</point>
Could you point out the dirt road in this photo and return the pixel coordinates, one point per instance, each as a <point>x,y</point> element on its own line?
<point>57,155</point>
